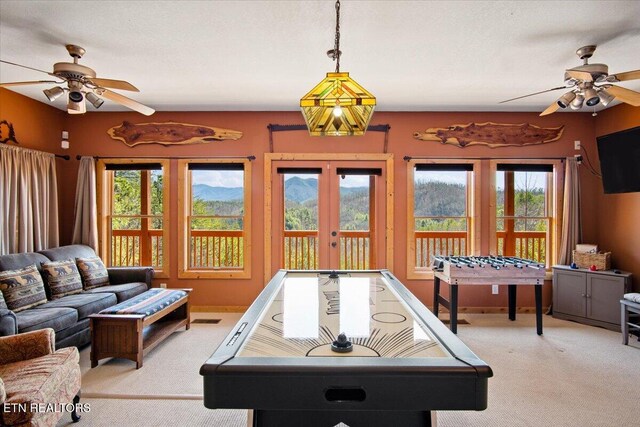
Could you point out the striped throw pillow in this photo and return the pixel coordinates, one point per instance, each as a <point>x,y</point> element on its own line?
<point>23,288</point>
<point>62,277</point>
<point>94,273</point>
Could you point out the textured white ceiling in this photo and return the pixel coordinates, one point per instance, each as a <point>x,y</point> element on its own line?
<point>265,55</point>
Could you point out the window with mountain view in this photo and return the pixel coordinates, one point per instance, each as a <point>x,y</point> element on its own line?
<point>523,212</point>
<point>215,235</point>
<point>134,213</point>
<point>442,206</point>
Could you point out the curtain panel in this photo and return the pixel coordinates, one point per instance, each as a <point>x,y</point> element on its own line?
<point>28,200</point>
<point>571,219</point>
<point>85,225</point>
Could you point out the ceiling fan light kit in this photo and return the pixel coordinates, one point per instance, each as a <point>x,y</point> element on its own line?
<point>338,105</point>
<point>82,85</point>
<point>591,85</point>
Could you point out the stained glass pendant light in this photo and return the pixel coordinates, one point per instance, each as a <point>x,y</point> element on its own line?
<point>338,105</point>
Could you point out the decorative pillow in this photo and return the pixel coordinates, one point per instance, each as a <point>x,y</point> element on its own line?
<point>23,288</point>
<point>62,277</point>
<point>94,273</point>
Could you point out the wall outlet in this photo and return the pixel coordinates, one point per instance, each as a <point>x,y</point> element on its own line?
<point>494,289</point>
<point>163,285</point>
<point>576,145</point>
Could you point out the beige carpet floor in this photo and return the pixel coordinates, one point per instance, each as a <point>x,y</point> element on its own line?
<point>574,375</point>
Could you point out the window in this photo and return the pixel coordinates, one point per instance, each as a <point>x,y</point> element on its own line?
<point>443,211</point>
<point>525,204</point>
<point>133,197</point>
<point>215,206</point>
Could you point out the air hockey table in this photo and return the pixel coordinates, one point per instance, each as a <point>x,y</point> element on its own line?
<point>317,348</point>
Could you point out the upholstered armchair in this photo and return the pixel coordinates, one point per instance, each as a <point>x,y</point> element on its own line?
<point>38,384</point>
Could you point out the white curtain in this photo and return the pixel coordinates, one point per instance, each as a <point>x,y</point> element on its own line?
<point>85,225</point>
<point>571,219</point>
<point>28,200</point>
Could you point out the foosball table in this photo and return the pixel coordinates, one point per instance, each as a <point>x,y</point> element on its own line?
<point>486,270</point>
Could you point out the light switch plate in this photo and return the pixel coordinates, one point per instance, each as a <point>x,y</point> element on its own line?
<point>494,289</point>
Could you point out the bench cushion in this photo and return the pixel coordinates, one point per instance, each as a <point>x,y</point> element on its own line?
<point>85,303</point>
<point>123,292</point>
<point>146,303</point>
<point>54,318</point>
<point>633,297</point>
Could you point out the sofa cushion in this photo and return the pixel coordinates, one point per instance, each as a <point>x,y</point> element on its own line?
<point>62,277</point>
<point>67,332</point>
<point>46,379</point>
<point>54,318</point>
<point>94,273</point>
<point>85,303</point>
<point>16,261</point>
<point>22,288</point>
<point>123,292</point>
<point>68,252</point>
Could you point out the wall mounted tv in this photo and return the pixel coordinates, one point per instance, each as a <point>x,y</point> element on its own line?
<point>620,161</point>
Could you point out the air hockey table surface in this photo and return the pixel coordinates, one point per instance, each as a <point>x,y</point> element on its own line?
<point>278,359</point>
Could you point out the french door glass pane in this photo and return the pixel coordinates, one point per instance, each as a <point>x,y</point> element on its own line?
<point>300,242</point>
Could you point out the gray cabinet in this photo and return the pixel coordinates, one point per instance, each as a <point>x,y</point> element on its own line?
<point>591,297</point>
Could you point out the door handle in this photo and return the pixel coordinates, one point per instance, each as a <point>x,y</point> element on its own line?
<point>334,244</point>
<point>334,233</point>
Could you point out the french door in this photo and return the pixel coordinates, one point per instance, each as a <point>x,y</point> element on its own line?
<point>328,215</point>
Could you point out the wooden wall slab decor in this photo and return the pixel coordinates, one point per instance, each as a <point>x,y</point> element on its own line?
<point>169,133</point>
<point>7,134</point>
<point>491,134</point>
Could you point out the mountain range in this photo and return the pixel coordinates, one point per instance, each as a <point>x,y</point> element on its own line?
<point>296,189</point>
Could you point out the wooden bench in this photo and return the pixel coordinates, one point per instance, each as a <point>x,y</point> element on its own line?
<point>630,304</point>
<point>131,336</point>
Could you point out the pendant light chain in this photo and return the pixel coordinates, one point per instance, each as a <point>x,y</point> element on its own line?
<point>336,49</point>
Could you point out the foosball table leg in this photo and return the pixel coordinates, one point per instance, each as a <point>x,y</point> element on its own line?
<point>512,301</point>
<point>436,295</point>
<point>453,308</point>
<point>538,291</point>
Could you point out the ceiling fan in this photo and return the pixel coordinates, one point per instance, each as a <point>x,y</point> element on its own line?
<point>590,84</point>
<point>82,84</point>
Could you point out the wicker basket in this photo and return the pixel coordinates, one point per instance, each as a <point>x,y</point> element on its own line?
<point>602,261</point>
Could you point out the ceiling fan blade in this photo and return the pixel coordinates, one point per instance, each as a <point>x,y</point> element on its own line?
<point>625,95</point>
<point>550,109</point>
<point>28,68</point>
<point>35,82</point>
<point>531,94</point>
<point>114,84</point>
<point>123,100</point>
<point>621,77</point>
<point>580,75</point>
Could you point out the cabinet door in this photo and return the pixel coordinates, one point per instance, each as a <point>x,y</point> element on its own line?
<point>569,289</point>
<point>605,293</point>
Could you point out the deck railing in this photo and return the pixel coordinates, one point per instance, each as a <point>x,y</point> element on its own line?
<point>432,243</point>
<point>300,250</point>
<point>528,244</point>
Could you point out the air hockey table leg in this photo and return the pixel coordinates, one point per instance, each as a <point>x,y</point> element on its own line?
<point>512,302</point>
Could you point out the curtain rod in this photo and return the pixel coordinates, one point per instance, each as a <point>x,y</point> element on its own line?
<point>251,157</point>
<point>62,156</point>
<point>407,158</point>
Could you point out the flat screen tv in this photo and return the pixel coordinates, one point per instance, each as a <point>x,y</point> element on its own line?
<point>620,161</point>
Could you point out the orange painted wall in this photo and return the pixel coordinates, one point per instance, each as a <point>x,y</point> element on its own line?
<point>618,215</point>
<point>88,137</point>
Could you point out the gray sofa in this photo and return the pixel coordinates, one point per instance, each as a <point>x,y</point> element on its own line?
<point>68,316</point>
